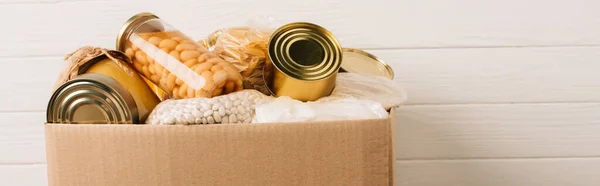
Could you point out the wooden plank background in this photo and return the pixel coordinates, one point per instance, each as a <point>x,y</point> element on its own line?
<point>500,92</point>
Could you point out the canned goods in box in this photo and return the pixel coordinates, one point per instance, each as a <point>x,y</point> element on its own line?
<point>118,82</point>
<point>307,58</point>
<point>92,99</point>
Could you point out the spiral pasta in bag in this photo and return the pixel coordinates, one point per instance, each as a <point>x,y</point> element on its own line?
<point>246,49</point>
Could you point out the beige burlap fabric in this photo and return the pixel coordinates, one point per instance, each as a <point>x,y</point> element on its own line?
<point>75,60</point>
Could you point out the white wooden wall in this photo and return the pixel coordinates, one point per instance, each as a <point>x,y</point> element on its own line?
<point>501,92</point>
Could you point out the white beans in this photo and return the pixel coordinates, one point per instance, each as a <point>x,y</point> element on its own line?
<point>228,104</point>
<point>208,110</point>
<point>217,117</point>
<point>208,113</point>
<point>222,111</point>
<point>210,120</point>
<point>232,118</point>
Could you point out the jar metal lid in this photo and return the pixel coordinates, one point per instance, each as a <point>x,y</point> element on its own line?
<point>130,25</point>
<point>359,61</point>
<point>92,99</point>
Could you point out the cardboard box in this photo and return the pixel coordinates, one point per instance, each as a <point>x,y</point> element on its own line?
<point>357,152</point>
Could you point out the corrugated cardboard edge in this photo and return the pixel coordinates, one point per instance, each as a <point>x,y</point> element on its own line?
<point>50,152</point>
<point>392,147</point>
<point>55,133</point>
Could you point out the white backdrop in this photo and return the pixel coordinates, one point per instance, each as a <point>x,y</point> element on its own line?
<point>500,92</point>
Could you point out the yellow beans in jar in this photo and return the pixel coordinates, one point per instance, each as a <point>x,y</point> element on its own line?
<point>175,62</point>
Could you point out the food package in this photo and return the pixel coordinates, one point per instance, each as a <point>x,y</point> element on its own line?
<point>245,48</point>
<point>237,107</point>
<point>188,61</point>
<point>175,62</point>
<point>79,58</point>
<point>285,109</point>
<point>368,87</point>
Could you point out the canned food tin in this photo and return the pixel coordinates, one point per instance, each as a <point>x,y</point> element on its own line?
<point>359,61</point>
<point>92,99</point>
<point>307,58</point>
<point>123,74</point>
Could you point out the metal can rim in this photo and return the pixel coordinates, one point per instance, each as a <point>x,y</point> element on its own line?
<point>369,55</point>
<point>110,83</point>
<point>335,45</point>
<point>128,27</point>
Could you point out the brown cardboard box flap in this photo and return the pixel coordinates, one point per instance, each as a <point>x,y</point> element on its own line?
<point>356,152</point>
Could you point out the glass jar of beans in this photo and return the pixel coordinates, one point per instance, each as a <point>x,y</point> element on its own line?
<point>175,62</point>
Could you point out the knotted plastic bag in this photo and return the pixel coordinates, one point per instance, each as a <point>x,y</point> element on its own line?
<point>368,87</point>
<point>286,109</point>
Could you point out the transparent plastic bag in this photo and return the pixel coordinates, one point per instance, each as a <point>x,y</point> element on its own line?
<point>245,48</point>
<point>368,87</point>
<point>286,109</point>
<point>237,107</point>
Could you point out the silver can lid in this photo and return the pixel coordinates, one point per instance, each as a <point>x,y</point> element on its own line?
<point>92,99</point>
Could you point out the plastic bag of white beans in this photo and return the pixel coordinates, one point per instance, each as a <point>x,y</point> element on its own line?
<point>237,107</point>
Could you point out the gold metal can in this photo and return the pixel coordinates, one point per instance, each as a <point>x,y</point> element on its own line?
<point>307,58</point>
<point>92,99</point>
<point>359,61</point>
<point>123,73</point>
<point>120,75</point>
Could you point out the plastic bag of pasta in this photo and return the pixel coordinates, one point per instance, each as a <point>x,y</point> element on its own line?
<point>246,48</point>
